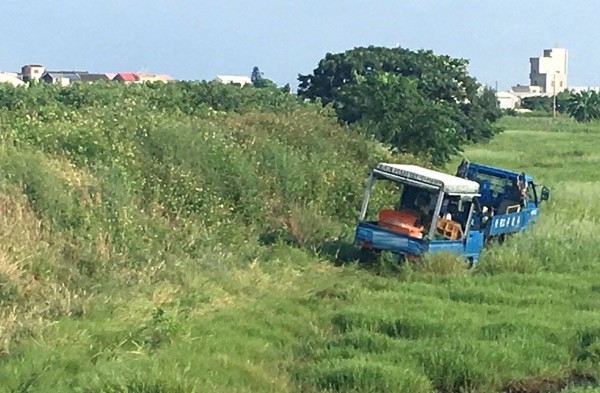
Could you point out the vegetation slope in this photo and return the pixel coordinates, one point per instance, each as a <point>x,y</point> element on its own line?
<point>196,237</point>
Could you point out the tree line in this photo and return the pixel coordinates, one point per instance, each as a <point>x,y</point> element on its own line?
<point>582,106</point>
<point>416,102</point>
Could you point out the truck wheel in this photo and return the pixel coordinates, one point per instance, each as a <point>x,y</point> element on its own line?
<point>399,259</point>
<point>471,262</point>
<point>494,240</point>
<point>368,256</point>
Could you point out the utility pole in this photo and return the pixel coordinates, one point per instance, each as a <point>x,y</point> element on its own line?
<point>496,94</point>
<point>554,99</point>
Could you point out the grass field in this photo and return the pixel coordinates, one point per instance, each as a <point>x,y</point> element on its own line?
<point>275,317</point>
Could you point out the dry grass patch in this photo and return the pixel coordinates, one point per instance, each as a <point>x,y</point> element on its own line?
<point>26,299</point>
<point>79,180</point>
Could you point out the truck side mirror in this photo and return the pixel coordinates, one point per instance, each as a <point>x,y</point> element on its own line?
<point>545,193</point>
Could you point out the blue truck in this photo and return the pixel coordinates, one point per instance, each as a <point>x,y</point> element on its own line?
<point>438,212</point>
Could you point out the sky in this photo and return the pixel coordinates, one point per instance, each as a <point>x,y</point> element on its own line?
<point>200,39</point>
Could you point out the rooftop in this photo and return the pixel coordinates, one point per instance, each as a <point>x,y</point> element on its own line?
<point>450,184</point>
<point>6,77</point>
<point>155,77</point>
<point>93,77</point>
<point>128,76</point>
<point>234,79</point>
<point>62,74</point>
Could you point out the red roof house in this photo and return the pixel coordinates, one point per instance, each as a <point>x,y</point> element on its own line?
<point>127,77</point>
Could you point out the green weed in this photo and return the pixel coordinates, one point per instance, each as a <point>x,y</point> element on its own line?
<point>192,238</point>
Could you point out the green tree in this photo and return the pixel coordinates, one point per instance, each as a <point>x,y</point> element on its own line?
<point>476,116</point>
<point>439,77</point>
<point>394,111</point>
<point>584,106</point>
<point>545,103</point>
<point>538,103</point>
<point>287,88</point>
<point>441,83</point>
<point>256,76</point>
<point>562,100</point>
<point>258,79</point>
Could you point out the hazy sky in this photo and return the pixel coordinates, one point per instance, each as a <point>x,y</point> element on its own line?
<point>200,39</point>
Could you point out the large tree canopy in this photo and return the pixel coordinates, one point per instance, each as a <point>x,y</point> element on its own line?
<point>420,102</point>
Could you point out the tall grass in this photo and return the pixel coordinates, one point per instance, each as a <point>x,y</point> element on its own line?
<point>160,246</point>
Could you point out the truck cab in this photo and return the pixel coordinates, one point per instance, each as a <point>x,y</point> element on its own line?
<point>431,212</point>
<point>509,201</point>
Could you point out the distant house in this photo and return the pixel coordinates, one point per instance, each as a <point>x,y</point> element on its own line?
<point>127,77</point>
<point>63,78</point>
<point>145,77</point>
<point>527,89</point>
<point>233,79</point>
<point>32,72</point>
<point>507,100</point>
<point>165,78</point>
<point>13,79</point>
<point>90,78</point>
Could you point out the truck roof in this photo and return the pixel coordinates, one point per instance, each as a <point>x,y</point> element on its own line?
<point>449,183</point>
<point>494,171</point>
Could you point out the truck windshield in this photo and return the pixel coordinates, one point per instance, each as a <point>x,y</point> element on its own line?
<point>495,189</point>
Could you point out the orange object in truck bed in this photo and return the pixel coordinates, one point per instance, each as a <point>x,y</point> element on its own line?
<point>400,221</point>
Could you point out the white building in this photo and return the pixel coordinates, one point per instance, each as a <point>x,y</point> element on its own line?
<point>12,78</point>
<point>238,80</point>
<point>32,72</point>
<point>550,71</point>
<point>507,100</point>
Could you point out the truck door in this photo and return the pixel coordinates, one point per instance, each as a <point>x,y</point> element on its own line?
<point>474,239</point>
<point>474,244</point>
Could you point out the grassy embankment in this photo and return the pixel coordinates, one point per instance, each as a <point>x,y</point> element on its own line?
<point>149,251</point>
